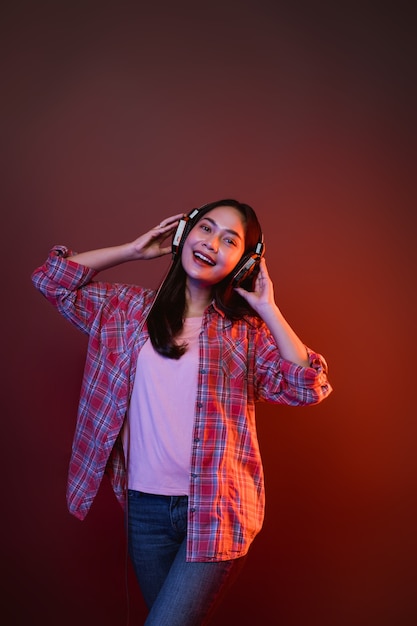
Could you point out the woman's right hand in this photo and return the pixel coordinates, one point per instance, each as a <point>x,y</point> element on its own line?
<point>150,245</point>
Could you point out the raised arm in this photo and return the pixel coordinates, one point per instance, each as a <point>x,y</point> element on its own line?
<point>262,300</point>
<point>147,246</point>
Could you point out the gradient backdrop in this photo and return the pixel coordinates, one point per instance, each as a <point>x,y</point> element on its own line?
<point>115,115</point>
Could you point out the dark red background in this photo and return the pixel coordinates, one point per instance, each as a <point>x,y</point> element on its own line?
<point>115,115</point>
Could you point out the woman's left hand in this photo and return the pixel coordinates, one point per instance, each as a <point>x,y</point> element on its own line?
<point>263,295</point>
<point>263,302</point>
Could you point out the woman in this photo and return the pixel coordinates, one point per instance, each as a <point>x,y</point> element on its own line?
<point>168,395</point>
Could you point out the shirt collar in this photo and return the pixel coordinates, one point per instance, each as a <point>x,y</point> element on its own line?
<point>214,306</point>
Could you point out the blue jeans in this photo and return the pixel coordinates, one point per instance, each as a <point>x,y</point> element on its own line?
<point>177,593</point>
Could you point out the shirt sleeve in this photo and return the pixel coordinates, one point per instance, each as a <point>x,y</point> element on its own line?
<point>284,382</point>
<point>69,287</point>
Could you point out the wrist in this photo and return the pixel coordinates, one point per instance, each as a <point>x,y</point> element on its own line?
<point>129,252</point>
<point>269,311</point>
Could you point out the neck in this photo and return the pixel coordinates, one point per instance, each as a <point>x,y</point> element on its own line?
<point>197,300</point>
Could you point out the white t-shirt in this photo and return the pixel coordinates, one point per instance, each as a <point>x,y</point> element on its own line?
<point>157,438</point>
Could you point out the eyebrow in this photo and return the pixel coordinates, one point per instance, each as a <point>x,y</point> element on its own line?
<point>228,230</point>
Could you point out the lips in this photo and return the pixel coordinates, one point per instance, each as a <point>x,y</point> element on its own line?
<point>204,259</point>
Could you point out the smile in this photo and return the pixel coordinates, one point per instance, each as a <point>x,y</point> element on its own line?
<point>204,259</point>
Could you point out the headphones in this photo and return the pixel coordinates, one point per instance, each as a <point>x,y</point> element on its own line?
<point>247,265</point>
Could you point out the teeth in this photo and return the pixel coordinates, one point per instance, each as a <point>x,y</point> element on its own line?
<point>203,258</point>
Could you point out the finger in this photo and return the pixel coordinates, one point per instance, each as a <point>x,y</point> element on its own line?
<point>170,221</point>
<point>242,292</point>
<point>263,270</point>
<point>166,228</point>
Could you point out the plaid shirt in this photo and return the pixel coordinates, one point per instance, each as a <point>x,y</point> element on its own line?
<point>239,365</point>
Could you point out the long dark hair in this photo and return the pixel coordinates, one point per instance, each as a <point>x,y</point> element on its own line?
<point>165,319</point>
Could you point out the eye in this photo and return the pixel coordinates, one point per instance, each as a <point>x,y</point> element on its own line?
<point>205,227</point>
<point>231,242</point>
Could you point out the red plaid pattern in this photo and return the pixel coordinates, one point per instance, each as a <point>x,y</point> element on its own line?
<point>239,366</point>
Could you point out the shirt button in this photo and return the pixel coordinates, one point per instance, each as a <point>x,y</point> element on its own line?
<point>194,475</point>
<point>199,405</point>
<point>203,371</point>
<point>196,439</point>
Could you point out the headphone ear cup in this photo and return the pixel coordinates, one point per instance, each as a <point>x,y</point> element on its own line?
<point>248,265</point>
<point>181,233</point>
<point>245,269</point>
<point>184,226</point>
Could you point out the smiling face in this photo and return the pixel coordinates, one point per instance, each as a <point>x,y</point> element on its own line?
<point>214,246</point>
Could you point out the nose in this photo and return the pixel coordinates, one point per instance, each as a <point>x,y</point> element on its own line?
<point>212,243</point>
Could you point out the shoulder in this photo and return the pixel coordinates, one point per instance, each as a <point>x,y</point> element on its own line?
<point>126,296</point>
<point>250,326</point>
<point>251,323</point>
<point>133,291</point>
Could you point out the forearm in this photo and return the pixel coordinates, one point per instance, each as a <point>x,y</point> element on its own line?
<point>104,258</point>
<point>289,344</point>
<point>148,246</point>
